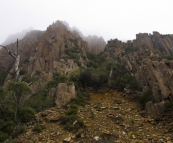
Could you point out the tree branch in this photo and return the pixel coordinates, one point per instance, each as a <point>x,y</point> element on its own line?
<point>9,52</point>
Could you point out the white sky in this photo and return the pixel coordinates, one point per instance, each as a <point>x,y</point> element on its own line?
<point>121,19</point>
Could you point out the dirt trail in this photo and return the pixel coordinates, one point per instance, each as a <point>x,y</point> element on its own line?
<point>113,118</point>
<point>109,118</point>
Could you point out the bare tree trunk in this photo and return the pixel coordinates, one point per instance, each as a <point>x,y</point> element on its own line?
<point>17,61</point>
<point>16,68</point>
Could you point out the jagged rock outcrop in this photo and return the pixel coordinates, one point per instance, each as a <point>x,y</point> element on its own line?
<point>149,58</point>
<point>62,94</point>
<point>51,48</point>
<point>55,50</point>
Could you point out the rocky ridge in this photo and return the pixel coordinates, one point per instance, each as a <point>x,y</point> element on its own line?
<point>149,58</point>
<point>46,52</point>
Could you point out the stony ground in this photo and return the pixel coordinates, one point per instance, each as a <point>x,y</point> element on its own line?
<point>110,117</point>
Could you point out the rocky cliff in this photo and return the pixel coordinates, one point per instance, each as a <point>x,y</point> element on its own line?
<point>149,58</point>
<point>55,50</point>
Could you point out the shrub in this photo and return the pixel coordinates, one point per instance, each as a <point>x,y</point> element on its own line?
<point>37,128</point>
<point>26,60</point>
<point>72,112</point>
<point>40,101</point>
<point>29,79</point>
<point>27,114</point>
<point>81,99</point>
<point>68,119</point>
<point>37,72</point>
<point>3,136</point>
<point>7,126</point>
<point>146,96</point>
<point>74,126</point>
<point>168,57</point>
<point>168,106</point>
<point>22,72</point>
<point>131,49</point>
<point>18,130</point>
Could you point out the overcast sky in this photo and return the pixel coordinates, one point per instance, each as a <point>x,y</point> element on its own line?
<point>110,19</point>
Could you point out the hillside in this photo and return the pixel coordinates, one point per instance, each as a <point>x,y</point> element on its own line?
<point>79,89</point>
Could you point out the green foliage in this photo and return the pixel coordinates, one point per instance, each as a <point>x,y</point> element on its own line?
<point>71,120</point>
<point>10,140</point>
<point>37,72</point>
<point>81,99</point>
<point>68,119</point>
<point>4,74</point>
<point>136,135</point>
<point>73,53</point>
<point>95,60</point>
<point>37,128</point>
<point>121,78</point>
<point>40,101</point>
<point>27,114</point>
<point>18,130</point>
<point>146,96</point>
<point>74,127</point>
<point>3,136</point>
<point>168,57</point>
<point>168,105</point>
<point>87,78</point>
<point>29,79</point>
<point>72,112</point>
<point>18,88</point>
<point>131,49</point>
<point>6,126</point>
<point>26,60</point>
<point>22,72</point>
<point>74,77</point>
<point>18,92</point>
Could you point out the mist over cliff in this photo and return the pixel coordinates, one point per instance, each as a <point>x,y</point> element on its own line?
<point>12,38</point>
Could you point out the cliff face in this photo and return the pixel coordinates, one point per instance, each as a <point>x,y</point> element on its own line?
<point>149,58</point>
<point>54,50</point>
<point>51,48</point>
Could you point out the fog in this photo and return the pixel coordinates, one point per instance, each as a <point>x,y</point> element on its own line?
<point>111,19</point>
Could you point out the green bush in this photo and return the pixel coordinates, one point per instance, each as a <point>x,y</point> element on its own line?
<point>29,79</point>
<point>26,60</point>
<point>146,96</point>
<point>168,57</point>
<point>6,126</point>
<point>68,119</point>
<point>37,128</point>
<point>131,49</point>
<point>27,114</point>
<point>19,130</point>
<point>40,101</point>
<point>3,136</point>
<point>37,72</point>
<point>72,112</point>
<point>74,126</point>
<point>168,105</point>
<point>22,72</point>
<point>81,99</point>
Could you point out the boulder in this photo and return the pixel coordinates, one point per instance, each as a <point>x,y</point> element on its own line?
<point>154,108</point>
<point>62,94</point>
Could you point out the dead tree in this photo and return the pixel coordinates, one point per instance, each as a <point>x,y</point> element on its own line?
<point>16,57</point>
